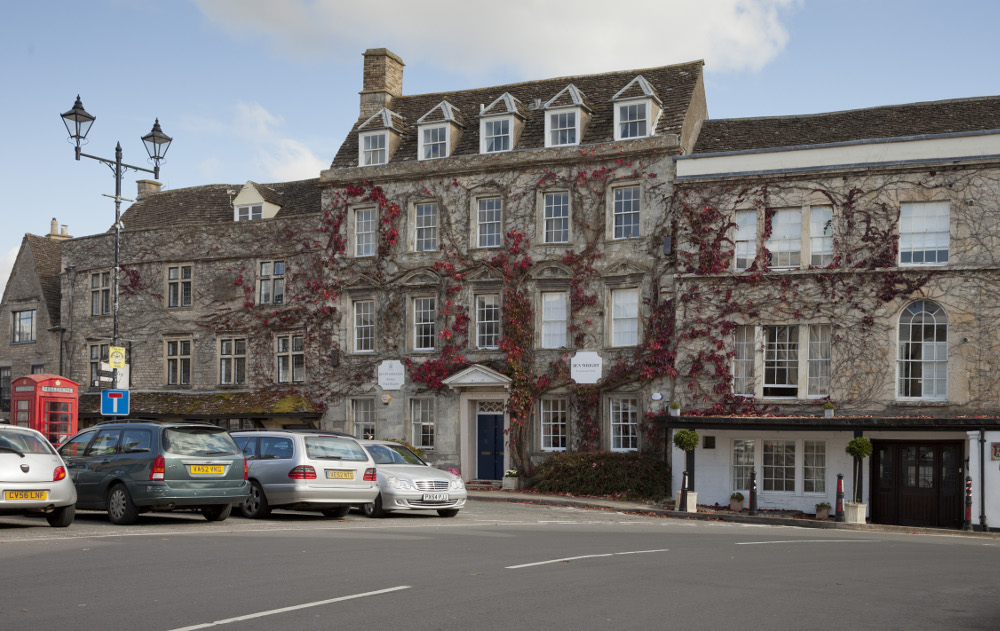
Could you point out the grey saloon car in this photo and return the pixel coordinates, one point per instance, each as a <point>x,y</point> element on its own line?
<point>407,483</point>
<point>33,478</point>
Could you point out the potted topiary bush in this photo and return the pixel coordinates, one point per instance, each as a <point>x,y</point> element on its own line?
<point>855,511</point>
<point>828,408</point>
<point>823,510</point>
<point>675,409</point>
<point>736,502</point>
<point>686,440</point>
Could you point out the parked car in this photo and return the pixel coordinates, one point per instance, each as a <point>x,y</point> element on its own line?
<point>406,482</point>
<point>33,478</point>
<point>306,470</point>
<point>134,466</point>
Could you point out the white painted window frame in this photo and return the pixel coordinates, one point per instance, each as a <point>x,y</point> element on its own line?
<point>620,105</point>
<point>550,126</point>
<point>366,155</point>
<point>422,144</point>
<point>484,139</point>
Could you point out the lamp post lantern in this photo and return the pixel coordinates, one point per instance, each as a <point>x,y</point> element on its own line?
<point>78,122</point>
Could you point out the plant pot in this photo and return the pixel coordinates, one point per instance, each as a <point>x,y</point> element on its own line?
<point>822,513</point>
<point>827,413</point>
<point>854,512</point>
<point>512,483</point>
<point>736,505</point>
<point>692,506</point>
<point>673,411</point>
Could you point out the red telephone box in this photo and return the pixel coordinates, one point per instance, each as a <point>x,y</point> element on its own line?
<point>47,403</point>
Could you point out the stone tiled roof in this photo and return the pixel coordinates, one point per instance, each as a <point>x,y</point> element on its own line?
<point>890,121</point>
<point>674,85</point>
<point>213,204</point>
<point>48,265</point>
<point>208,405</point>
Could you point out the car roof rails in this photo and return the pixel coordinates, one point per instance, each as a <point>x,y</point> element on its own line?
<point>128,420</point>
<point>294,430</point>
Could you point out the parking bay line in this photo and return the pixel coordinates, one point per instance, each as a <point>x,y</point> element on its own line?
<point>261,614</point>
<point>577,558</point>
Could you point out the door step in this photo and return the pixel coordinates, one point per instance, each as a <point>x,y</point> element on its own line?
<point>484,485</point>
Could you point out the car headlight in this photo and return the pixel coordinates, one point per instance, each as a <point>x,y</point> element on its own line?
<point>456,483</point>
<point>398,483</point>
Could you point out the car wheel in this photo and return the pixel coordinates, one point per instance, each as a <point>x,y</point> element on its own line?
<point>62,517</point>
<point>336,513</point>
<point>448,512</point>
<point>374,509</point>
<point>121,510</point>
<point>217,512</point>
<point>255,506</point>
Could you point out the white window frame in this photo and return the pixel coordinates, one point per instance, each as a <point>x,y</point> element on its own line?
<point>820,236</point>
<point>625,309</point>
<point>364,326</point>
<point>742,463</point>
<point>364,231</point>
<point>290,361</point>
<point>804,476</point>
<point>814,466</point>
<point>924,233</point>
<point>778,360</point>
<point>552,327</point>
<point>250,212</point>
<point>624,123</point>
<point>271,282</point>
<point>745,250</point>
<point>785,242</point>
<point>554,424</point>
<point>100,293</point>
<point>233,361</point>
<point>623,413</point>
<point>424,428</point>
<point>178,355</point>
<point>812,365</point>
<point>22,333</point>
<point>423,145</point>
<point>488,321</point>
<point>369,156</point>
<point>820,361</point>
<point>744,361</point>
<point>363,414</point>
<point>937,348</point>
<point>486,124</point>
<point>425,224</point>
<point>555,117</point>
<point>552,224</point>
<point>625,208</point>
<point>775,461</point>
<point>424,322</point>
<point>489,222</point>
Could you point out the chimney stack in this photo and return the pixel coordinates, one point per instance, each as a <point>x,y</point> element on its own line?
<point>383,80</point>
<point>56,234</point>
<point>146,188</point>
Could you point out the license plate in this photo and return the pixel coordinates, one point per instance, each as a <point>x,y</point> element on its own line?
<point>339,475</point>
<point>15,496</point>
<point>207,469</point>
<point>435,497</point>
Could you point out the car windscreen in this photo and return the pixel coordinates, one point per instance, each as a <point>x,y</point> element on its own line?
<point>393,454</point>
<point>199,441</point>
<point>17,441</point>
<point>333,448</point>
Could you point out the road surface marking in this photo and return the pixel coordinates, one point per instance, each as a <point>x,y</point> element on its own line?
<point>272,612</point>
<point>585,556</point>
<point>760,543</point>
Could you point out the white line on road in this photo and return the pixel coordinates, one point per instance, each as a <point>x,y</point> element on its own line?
<point>272,612</point>
<point>585,556</point>
<point>760,543</point>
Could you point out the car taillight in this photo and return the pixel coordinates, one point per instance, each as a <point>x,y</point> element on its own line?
<point>159,468</point>
<point>246,474</point>
<point>302,472</point>
<point>370,474</point>
<point>59,474</point>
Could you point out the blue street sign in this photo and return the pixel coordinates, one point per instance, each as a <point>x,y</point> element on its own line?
<point>114,402</point>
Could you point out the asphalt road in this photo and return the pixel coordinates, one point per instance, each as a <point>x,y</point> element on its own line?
<point>495,566</point>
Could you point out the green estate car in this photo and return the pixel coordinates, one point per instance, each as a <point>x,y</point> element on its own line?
<point>128,467</point>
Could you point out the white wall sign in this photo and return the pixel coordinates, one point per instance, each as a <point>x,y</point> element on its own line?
<point>391,374</point>
<point>586,367</point>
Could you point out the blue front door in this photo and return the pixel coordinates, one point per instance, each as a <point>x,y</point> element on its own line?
<point>490,443</point>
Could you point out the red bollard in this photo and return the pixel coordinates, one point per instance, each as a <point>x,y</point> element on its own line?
<point>840,497</point>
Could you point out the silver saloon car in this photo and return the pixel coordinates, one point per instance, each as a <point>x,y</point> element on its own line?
<point>33,478</point>
<point>408,483</point>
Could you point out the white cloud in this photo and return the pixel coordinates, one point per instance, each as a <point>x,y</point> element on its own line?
<point>6,265</point>
<point>210,168</point>
<point>538,39</point>
<point>288,160</point>
<point>282,158</point>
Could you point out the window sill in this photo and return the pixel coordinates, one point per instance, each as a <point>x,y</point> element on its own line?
<point>21,343</point>
<point>921,403</point>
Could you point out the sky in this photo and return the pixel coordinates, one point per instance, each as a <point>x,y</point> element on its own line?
<point>266,90</point>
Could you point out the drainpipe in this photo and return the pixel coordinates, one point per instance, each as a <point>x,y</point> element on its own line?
<point>982,479</point>
<point>71,276</point>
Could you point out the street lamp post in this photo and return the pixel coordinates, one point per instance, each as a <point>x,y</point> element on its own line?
<point>78,123</point>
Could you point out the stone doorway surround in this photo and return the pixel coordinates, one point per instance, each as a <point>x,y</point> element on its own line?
<point>474,384</point>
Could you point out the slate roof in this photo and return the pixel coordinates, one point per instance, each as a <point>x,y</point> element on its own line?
<point>673,85</point>
<point>48,265</point>
<point>890,121</point>
<point>208,405</point>
<point>212,203</point>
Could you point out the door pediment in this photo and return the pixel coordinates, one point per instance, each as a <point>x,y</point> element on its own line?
<point>477,376</point>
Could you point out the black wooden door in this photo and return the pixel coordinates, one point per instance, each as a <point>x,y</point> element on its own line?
<point>917,484</point>
<point>490,443</point>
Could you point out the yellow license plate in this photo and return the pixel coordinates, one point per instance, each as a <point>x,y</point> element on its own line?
<point>339,475</point>
<point>207,469</point>
<point>15,496</point>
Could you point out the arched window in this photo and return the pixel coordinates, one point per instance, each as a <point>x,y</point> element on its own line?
<point>923,352</point>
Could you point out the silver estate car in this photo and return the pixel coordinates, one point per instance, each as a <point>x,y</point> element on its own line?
<point>406,482</point>
<point>306,470</point>
<point>33,478</point>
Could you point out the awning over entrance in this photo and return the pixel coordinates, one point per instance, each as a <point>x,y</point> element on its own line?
<point>835,423</point>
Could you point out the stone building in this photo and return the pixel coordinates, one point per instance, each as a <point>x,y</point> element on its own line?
<point>29,312</point>
<point>848,258</point>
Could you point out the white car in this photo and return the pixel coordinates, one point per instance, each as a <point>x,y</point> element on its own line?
<point>408,483</point>
<point>33,478</point>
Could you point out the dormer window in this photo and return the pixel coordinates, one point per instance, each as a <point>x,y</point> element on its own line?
<point>433,142</point>
<point>250,213</point>
<point>496,135</point>
<point>373,148</point>
<point>562,128</point>
<point>631,120</point>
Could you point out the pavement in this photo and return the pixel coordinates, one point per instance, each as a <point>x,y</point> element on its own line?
<point>709,513</point>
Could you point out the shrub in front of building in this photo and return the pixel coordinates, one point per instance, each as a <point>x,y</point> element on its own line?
<point>630,475</point>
